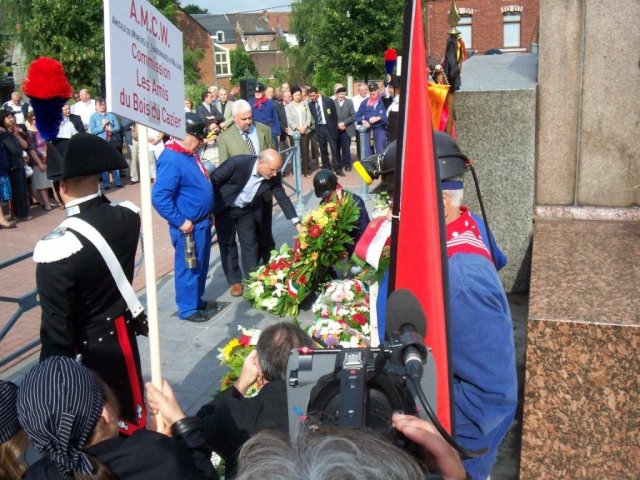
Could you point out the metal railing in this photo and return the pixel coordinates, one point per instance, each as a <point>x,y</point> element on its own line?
<point>25,303</point>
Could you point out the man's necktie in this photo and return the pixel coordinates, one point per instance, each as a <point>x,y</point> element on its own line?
<point>319,112</point>
<point>249,143</point>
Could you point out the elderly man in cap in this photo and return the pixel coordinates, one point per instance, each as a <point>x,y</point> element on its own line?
<point>183,196</point>
<point>84,272</point>
<point>372,114</point>
<point>485,385</point>
<point>265,111</point>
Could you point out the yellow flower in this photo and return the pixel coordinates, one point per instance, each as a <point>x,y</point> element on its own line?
<point>323,220</point>
<point>314,256</point>
<point>273,281</point>
<point>228,348</point>
<point>334,215</point>
<point>303,245</point>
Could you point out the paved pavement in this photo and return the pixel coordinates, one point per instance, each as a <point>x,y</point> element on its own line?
<point>188,350</point>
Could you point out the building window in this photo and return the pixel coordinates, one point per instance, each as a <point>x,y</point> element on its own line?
<point>220,36</point>
<point>465,28</point>
<point>511,29</point>
<point>264,45</point>
<point>222,63</point>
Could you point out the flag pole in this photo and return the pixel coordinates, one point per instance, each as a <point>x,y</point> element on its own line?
<point>149,262</point>
<point>418,249</point>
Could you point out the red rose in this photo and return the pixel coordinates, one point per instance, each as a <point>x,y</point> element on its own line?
<point>315,231</point>
<point>244,340</point>
<point>302,279</point>
<point>360,318</point>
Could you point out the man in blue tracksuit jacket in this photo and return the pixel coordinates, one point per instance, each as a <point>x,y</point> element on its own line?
<point>183,196</point>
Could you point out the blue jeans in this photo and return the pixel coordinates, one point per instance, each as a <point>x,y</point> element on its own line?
<point>104,176</point>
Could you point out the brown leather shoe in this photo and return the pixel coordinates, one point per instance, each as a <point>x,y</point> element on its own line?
<point>236,290</point>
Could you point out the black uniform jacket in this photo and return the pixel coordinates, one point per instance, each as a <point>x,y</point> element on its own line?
<point>81,302</point>
<point>231,177</point>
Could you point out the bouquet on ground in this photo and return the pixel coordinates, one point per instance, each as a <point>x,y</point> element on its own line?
<point>232,356</point>
<point>282,284</point>
<point>342,315</point>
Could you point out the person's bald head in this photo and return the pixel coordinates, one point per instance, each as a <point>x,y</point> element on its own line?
<point>269,163</point>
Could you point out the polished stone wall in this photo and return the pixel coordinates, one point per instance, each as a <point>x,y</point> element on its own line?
<point>589,106</point>
<point>582,383</point>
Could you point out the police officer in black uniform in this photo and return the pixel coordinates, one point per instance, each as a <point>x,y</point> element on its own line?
<point>83,311</point>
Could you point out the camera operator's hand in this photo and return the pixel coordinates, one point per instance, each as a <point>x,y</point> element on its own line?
<point>164,402</point>
<point>446,459</point>
<point>250,372</point>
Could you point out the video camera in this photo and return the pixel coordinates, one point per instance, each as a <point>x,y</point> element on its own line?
<point>354,387</point>
<point>361,388</point>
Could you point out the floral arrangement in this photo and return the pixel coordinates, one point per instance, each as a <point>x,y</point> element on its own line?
<point>342,312</point>
<point>282,284</point>
<point>232,356</point>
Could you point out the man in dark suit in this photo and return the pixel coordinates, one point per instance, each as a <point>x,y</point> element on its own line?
<point>83,311</point>
<point>248,137</point>
<point>206,111</point>
<point>240,184</point>
<point>346,126</point>
<point>323,111</point>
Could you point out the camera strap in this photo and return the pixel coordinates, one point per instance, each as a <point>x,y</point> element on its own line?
<point>98,241</point>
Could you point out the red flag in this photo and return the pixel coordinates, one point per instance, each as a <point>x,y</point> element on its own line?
<point>418,252</point>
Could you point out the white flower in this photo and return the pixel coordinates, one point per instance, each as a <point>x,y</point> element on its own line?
<point>269,303</point>
<point>280,274</point>
<point>258,289</point>
<point>279,290</point>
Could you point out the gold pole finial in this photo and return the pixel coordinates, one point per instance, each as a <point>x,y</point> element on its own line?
<point>453,18</point>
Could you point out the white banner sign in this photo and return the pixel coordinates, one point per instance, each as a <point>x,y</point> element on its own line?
<point>144,66</point>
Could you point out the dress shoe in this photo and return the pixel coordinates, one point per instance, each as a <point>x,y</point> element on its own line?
<point>10,225</point>
<point>340,172</point>
<point>206,306</point>
<point>236,290</point>
<point>197,317</point>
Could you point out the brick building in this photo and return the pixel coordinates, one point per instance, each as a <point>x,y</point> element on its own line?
<point>194,36</point>
<point>506,25</point>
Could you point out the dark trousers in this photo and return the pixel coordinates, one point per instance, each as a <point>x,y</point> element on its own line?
<point>327,137</point>
<point>345,149</point>
<point>20,198</point>
<point>234,221</point>
<point>304,153</point>
<point>314,159</point>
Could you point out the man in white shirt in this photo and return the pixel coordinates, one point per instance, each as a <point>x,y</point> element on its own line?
<point>363,93</point>
<point>18,107</point>
<point>84,108</point>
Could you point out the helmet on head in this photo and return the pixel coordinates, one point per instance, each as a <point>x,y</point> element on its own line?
<point>451,162</point>
<point>324,182</point>
<point>195,125</point>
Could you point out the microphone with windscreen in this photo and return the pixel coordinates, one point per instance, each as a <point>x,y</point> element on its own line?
<point>407,323</point>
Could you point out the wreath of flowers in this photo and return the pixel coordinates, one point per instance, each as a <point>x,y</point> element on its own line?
<point>342,312</point>
<point>291,273</point>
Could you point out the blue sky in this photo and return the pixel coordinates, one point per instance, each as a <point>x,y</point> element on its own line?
<point>234,6</point>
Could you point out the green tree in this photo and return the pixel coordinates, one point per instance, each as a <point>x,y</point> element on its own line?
<point>70,31</point>
<point>193,9</point>
<point>345,37</point>
<point>191,58</point>
<point>242,66</point>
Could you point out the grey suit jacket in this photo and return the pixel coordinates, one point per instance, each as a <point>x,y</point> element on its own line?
<point>347,114</point>
<point>231,143</point>
<point>228,117</point>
